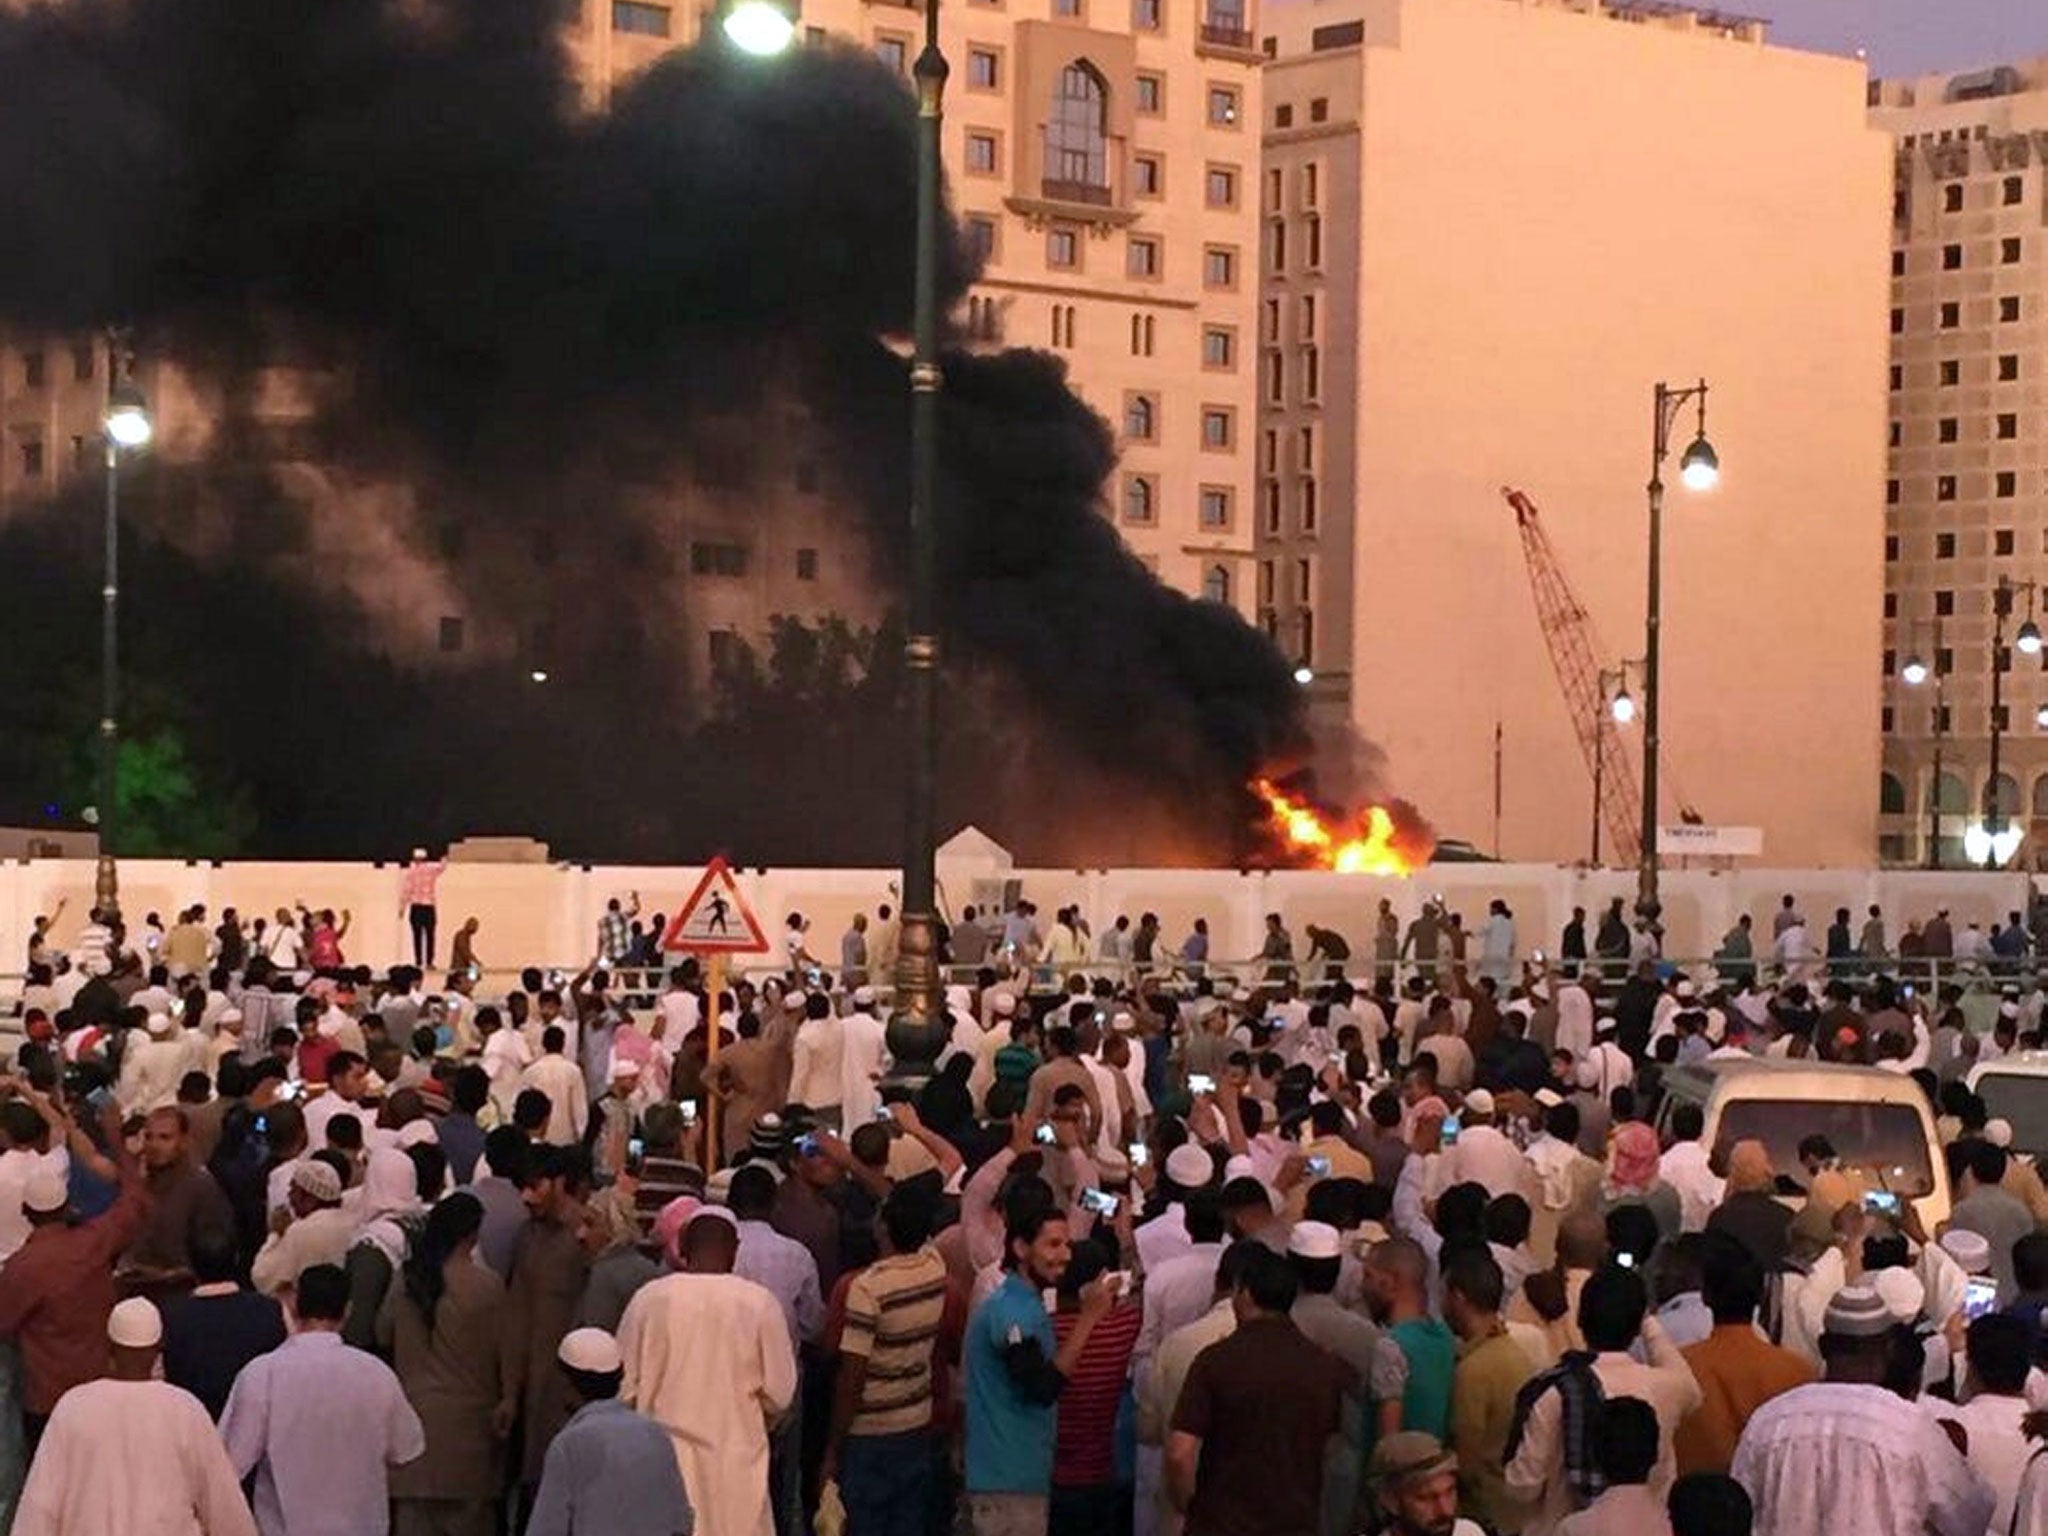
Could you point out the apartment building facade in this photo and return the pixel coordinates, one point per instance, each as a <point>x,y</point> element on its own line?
<point>1490,227</point>
<point>1966,493</point>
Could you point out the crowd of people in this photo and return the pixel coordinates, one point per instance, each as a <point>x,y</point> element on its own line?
<point>1422,1247</point>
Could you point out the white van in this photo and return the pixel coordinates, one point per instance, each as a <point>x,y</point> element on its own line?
<point>1879,1123</point>
<point>2015,1089</point>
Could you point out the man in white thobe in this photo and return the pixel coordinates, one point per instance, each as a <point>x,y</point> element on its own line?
<point>128,1454</point>
<point>708,1358</point>
<point>863,1056</point>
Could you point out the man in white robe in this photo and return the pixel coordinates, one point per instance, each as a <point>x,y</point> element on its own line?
<point>128,1455</point>
<point>864,1056</point>
<point>708,1358</point>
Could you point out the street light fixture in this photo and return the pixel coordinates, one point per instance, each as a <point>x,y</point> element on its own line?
<point>125,427</point>
<point>1699,469</point>
<point>759,27</point>
<point>1623,708</point>
<point>1304,675</point>
<point>1914,672</point>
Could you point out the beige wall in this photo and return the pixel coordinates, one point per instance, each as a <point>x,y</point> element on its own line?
<point>1555,210</point>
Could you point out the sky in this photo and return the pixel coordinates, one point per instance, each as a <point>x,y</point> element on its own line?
<point>1909,37</point>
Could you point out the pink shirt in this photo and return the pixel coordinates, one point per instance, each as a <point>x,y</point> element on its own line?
<point>417,888</point>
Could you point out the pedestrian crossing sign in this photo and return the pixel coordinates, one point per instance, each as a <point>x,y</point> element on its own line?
<point>716,919</point>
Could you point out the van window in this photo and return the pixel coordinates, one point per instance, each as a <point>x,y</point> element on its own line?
<point>2022,1098</point>
<point>1888,1142</point>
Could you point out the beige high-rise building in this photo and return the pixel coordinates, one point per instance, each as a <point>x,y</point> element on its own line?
<point>1967,494</point>
<point>1491,226</point>
<point>1102,154</point>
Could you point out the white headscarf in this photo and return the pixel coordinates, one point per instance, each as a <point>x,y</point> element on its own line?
<point>390,1195</point>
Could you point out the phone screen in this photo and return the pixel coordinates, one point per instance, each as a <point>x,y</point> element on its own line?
<point>1979,1297</point>
<point>1201,1082</point>
<point>1140,1154</point>
<point>1046,1136</point>
<point>1100,1202</point>
<point>1319,1166</point>
<point>1881,1202</point>
<point>689,1111</point>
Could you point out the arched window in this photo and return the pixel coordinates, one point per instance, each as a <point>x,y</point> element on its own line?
<point>1138,418</point>
<point>1216,584</point>
<point>2004,791</point>
<point>1076,136</point>
<point>1138,500</point>
<point>2041,795</point>
<point>1950,797</point>
<point>1891,795</point>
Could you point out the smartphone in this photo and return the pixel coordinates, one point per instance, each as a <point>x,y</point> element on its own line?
<point>1046,1136</point>
<point>635,1148</point>
<point>1101,1017</point>
<point>1906,990</point>
<point>807,1144</point>
<point>1625,1259</point>
<point>1881,1202</point>
<point>1319,1167</point>
<point>883,1114</point>
<point>555,978</point>
<point>689,1108</point>
<point>1450,1136</point>
<point>1100,1202</point>
<point>1201,1082</point>
<point>1123,1279</point>
<point>1140,1154</point>
<point>290,1088</point>
<point>1979,1297</point>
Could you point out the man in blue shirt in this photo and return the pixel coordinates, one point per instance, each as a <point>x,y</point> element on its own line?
<point>1015,1371</point>
<point>609,1469</point>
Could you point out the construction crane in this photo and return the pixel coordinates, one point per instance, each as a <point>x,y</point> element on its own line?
<point>1575,652</point>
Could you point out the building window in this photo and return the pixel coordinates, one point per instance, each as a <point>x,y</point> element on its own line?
<point>1275,369</point>
<point>1312,239</point>
<point>1951,315</point>
<point>807,565</point>
<point>1952,198</point>
<point>1145,15</point>
<point>1141,257</point>
<point>718,559</point>
<point>2005,484</point>
<point>1895,434</point>
<point>1219,347</point>
<point>1283,115</point>
<point>2008,426</point>
<point>1063,325</point>
<point>1951,258</point>
<point>724,649</point>
<point>2001,541</point>
<point>1219,267</point>
<point>1218,427</point>
<point>1221,186</point>
<point>1223,106</point>
<point>1270,329</point>
<point>1148,175</point>
<point>981,154</point>
<point>1898,321</point>
<point>2008,309</point>
<point>1944,658</point>
<point>1306,443</point>
<point>1141,335</point>
<point>1266,584</point>
<point>1951,372</point>
<point>1141,499</point>
<point>1269,451</point>
<point>1941,725</point>
<point>1141,418</point>
<point>82,361</point>
<point>1274,184</point>
<point>32,458</point>
<point>1150,91</point>
<point>984,69</point>
<point>1945,429</point>
<point>2001,719</point>
<point>1308,317</point>
<point>1898,263</point>
<point>1269,506</point>
<point>1944,607</point>
<point>1891,611</point>
<point>1062,248</point>
<point>2008,367</point>
<point>1945,490</point>
<point>895,53</point>
<point>2009,250</point>
<point>2012,190</point>
<point>1213,511</point>
<point>1891,546</point>
<point>1308,506</point>
<point>634,16</point>
<point>1319,109</point>
<point>981,238</point>
<point>1308,185</point>
<point>1311,374</point>
<point>1066,7</point>
<point>1897,376</point>
<point>1891,493</point>
<point>1276,245</point>
<point>451,634</point>
<point>1216,584</point>
<point>1076,141</point>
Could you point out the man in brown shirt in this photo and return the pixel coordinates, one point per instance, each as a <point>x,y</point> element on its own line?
<point>1737,1369</point>
<point>1245,1453</point>
<point>187,1211</point>
<point>745,1082</point>
<point>1063,1067</point>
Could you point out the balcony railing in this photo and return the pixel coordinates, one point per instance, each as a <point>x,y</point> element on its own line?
<point>1075,192</point>
<point>1226,36</point>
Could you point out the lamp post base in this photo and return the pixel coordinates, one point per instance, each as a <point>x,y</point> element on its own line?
<point>106,886</point>
<point>918,1026</point>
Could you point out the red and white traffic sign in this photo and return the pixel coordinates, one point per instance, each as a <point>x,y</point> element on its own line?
<point>716,920</point>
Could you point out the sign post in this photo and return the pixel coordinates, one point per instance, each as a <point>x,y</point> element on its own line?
<point>715,922</point>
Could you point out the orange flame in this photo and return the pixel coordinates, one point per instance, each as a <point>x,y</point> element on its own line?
<point>1372,843</point>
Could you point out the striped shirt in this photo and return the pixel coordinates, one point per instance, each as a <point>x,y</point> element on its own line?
<point>1084,1454</point>
<point>416,889</point>
<point>893,1311</point>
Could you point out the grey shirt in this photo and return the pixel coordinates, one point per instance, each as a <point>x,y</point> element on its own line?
<point>611,1470</point>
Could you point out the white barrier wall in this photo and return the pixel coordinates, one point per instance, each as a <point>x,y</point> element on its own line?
<point>546,914</point>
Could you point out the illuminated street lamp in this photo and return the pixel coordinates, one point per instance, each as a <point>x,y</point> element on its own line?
<point>125,427</point>
<point>1303,676</point>
<point>1914,671</point>
<point>1699,469</point>
<point>1623,708</point>
<point>760,27</point>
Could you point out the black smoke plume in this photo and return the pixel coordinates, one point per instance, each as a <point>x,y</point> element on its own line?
<point>535,315</point>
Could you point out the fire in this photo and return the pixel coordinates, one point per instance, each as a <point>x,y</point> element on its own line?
<point>1368,842</point>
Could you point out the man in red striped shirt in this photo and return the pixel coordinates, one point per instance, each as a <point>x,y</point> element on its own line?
<point>1087,1499</point>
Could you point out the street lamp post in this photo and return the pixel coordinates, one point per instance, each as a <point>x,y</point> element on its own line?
<point>1699,469</point>
<point>126,426</point>
<point>917,1029</point>
<point>1994,810</point>
<point>1620,709</point>
<point>1914,673</point>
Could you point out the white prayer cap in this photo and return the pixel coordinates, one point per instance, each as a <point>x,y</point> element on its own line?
<point>45,1191</point>
<point>1968,1249</point>
<point>230,1016</point>
<point>135,1324</point>
<point>714,1213</point>
<point>590,1350</point>
<point>316,1180</point>
<point>1314,1240</point>
<point>1998,1132</point>
<point>1189,1166</point>
<point>1003,1004</point>
<point>1902,1292</point>
<point>1240,1167</point>
<point>864,997</point>
<point>159,1025</point>
<point>2008,1010</point>
<point>718,1188</point>
<point>1123,1022</point>
<point>624,1067</point>
<point>1478,1102</point>
<point>1549,1098</point>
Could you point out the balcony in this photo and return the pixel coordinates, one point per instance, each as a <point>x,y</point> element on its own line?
<point>1087,193</point>
<point>1230,37</point>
